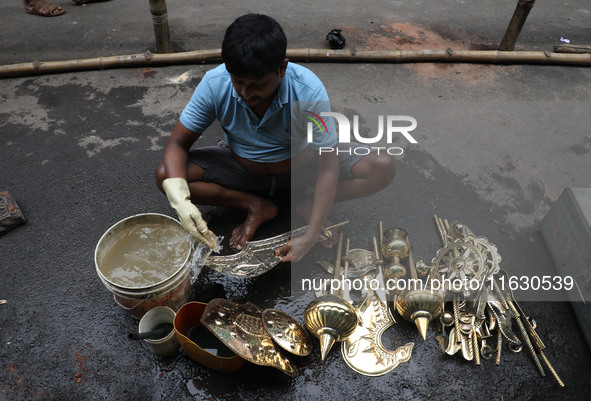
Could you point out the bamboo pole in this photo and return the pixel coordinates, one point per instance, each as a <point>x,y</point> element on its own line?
<point>516,24</point>
<point>572,48</point>
<point>160,21</point>
<point>101,63</point>
<point>302,55</point>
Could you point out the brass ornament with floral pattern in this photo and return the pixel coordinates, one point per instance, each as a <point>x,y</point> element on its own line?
<point>363,350</point>
<point>240,327</point>
<point>287,332</point>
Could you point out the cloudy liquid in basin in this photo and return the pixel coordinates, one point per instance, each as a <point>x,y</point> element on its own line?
<point>145,254</point>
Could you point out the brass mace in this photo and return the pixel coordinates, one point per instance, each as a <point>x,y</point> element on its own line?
<point>395,247</point>
<point>330,318</point>
<point>419,305</point>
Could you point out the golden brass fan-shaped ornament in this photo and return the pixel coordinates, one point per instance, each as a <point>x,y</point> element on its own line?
<point>287,332</point>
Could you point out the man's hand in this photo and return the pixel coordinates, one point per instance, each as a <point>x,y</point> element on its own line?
<point>295,249</point>
<point>179,196</point>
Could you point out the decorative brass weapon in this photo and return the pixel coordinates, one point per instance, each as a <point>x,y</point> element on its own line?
<point>257,257</point>
<point>330,318</point>
<point>395,247</point>
<point>419,305</point>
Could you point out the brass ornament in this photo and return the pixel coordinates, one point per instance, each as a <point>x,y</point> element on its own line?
<point>422,268</point>
<point>240,328</point>
<point>257,257</point>
<point>489,253</point>
<point>287,332</point>
<point>503,320</point>
<point>361,262</point>
<point>477,313</point>
<point>395,246</point>
<point>446,319</point>
<point>459,260</point>
<point>420,306</point>
<point>395,243</point>
<point>363,350</point>
<point>330,319</point>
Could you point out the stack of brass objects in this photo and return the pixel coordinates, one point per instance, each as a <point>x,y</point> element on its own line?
<point>335,317</point>
<point>468,317</point>
<point>475,315</point>
<point>473,320</point>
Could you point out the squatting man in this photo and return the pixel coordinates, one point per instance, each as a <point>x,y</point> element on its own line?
<point>253,95</point>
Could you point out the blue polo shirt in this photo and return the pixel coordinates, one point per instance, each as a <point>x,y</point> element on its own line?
<point>293,117</point>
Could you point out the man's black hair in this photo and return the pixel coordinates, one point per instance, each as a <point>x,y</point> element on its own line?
<point>254,45</point>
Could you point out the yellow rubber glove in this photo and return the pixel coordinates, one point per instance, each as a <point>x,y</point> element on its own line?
<point>179,196</point>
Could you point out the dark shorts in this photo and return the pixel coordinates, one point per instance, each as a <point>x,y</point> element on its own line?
<point>221,167</point>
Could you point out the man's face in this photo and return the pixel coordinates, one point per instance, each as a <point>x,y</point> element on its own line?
<point>255,92</point>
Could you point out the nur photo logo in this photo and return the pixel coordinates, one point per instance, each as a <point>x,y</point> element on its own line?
<point>388,127</point>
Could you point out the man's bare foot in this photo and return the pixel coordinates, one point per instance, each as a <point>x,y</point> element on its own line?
<point>258,213</point>
<point>42,8</point>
